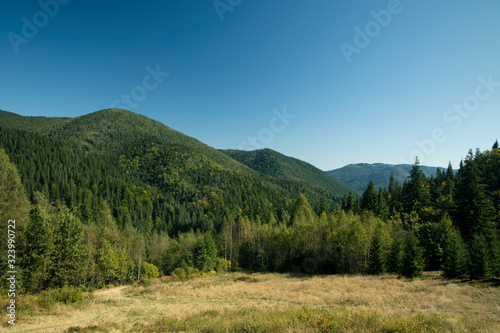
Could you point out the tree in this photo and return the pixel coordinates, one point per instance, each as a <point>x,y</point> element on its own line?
<point>369,198</point>
<point>479,266</point>
<point>14,206</point>
<point>395,195</point>
<point>69,250</point>
<point>395,259</point>
<point>413,262</point>
<point>475,210</point>
<point>205,253</point>
<point>432,237</point>
<point>302,211</point>
<point>495,146</point>
<point>455,256</point>
<point>377,261</point>
<point>37,261</point>
<point>416,193</point>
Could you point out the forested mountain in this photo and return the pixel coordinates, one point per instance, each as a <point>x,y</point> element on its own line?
<point>277,165</point>
<point>115,197</point>
<point>132,161</point>
<point>358,175</point>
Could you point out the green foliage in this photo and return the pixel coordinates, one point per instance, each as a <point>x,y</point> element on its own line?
<point>395,258</point>
<point>412,265</point>
<point>150,271</point>
<point>369,198</point>
<point>377,262</point>
<point>455,259</point>
<point>432,238</point>
<point>479,266</point>
<point>416,193</point>
<point>14,205</point>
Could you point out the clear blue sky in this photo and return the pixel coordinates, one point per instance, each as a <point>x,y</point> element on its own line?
<point>227,76</point>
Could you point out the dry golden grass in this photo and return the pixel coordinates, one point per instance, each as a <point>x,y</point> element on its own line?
<point>128,309</point>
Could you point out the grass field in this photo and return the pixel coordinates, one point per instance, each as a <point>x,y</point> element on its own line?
<point>239,302</point>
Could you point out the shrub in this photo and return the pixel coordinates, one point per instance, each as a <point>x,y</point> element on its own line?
<point>150,271</point>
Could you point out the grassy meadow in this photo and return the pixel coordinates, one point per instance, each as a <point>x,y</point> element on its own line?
<point>239,302</point>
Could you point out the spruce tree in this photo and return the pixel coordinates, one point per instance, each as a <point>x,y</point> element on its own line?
<point>369,198</point>
<point>395,195</point>
<point>377,261</point>
<point>38,257</point>
<point>455,257</point>
<point>416,192</point>
<point>395,258</point>
<point>479,265</point>
<point>412,265</point>
<point>495,146</point>
<point>474,208</point>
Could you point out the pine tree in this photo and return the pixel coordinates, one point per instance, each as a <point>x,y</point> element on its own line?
<point>416,193</point>
<point>493,246</point>
<point>38,257</point>
<point>369,198</point>
<point>395,195</point>
<point>479,265</point>
<point>413,262</point>
<point>495,146</point>
<point>455,257</point>
<point>383,210</point>
<point>395,259</point>
<point>474,209</point>
<point>377,261</point>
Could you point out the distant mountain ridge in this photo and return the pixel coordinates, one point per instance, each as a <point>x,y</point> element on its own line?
<point>359,175</point>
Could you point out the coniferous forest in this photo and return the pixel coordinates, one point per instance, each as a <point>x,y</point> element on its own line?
<point>114,197</point>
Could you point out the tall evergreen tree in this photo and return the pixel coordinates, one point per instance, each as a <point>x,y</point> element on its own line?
<point>369,198</point>
<point>455,257</point>
<point>37,261</point>
<point>395,258</point>
<point>474,208</point>
<point>416,192</point>
<point>413,262</point>
<point>479,265</point>
<point>395,195</point>
<point>495,145</point>
<point>377,261</point>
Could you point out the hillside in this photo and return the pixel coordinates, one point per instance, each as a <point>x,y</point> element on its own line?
<point>277,165</point>
<point>359,175</point>
<point>151,175</point>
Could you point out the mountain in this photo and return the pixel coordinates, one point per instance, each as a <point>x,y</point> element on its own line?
<point>152,176</point>
<point>277,165</point>
<point>359,175</point>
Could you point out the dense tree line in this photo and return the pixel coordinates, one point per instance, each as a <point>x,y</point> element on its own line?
<point>455,216</point>
<point>91,220</point>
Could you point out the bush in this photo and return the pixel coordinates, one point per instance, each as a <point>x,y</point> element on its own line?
<point>150,271</point>
<point>66,295</point>
<point>180,274</point>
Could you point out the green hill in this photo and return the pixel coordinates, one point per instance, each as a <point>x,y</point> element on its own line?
<point>359,175</point>
<point>152,176</point>
<point>277,165</point>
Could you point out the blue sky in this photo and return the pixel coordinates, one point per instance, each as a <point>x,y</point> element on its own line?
<point>418,77</point>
